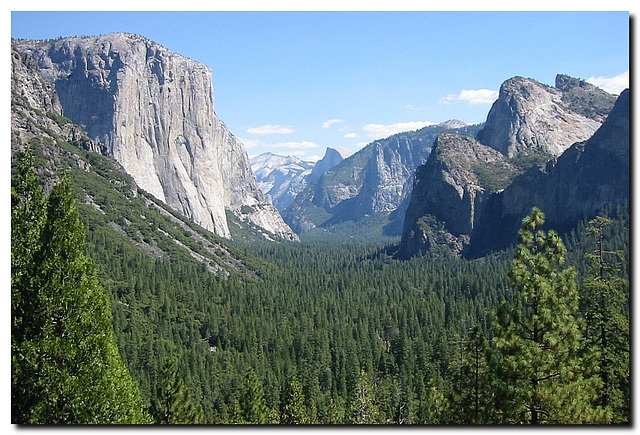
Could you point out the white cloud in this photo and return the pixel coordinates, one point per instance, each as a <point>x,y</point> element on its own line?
<point>270,129</point>
<point>375,131</point>
<point>296,145</point>
<point>613,85</point>
<point>472,96</point>
<point>251,143</point>
<point>314,158</point>
<point>330,122</point>
<point>351,135</point>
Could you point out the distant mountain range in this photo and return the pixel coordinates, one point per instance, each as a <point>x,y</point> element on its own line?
<point>374,181</point>
<point>281,178</point>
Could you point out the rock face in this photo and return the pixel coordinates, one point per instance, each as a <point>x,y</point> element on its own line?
<point>584,179</point>
<point>332,157</point>
<point>529,117</point>
<point>469,195</point>
<point>377,179</point>
<point>35,108</point>
<point>153,110</point>
<point>449,192</point>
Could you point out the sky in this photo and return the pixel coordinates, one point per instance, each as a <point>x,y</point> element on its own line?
<point>297,82</point>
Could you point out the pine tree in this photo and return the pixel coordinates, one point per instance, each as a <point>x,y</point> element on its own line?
<point>472,390</point>
<point>607,327</point>
<point>363,404</point>
<point>253,403</point>
<point>295,411</point>
<point>539,336</point>
<point>66,367</point>
<point>173,404</point>
<point>28,217</point>
<point>434,406</point>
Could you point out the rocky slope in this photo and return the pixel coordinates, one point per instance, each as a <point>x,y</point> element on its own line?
<point>280,177</point>
<point>531,117</point>
<point>332,157</point>
<point>584,179</point>
<point>153,111</point>
<point>374,181</point>
<point>448,191</point>
<point>469,194</point>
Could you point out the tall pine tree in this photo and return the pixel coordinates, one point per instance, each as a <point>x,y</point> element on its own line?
<point>364,409</point>
<point>173,404</point>
<point>65,365</point>
<point>607,326</point>
<point>539,336</point>
<point>253,403</point>
<point>471,399</point>
<point>295,411</point>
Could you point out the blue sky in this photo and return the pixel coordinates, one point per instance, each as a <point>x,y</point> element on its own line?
<point>295,83</point>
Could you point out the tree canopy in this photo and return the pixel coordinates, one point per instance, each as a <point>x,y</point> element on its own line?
<point>66,366</point>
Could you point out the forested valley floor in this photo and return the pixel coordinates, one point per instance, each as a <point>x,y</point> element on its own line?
<point>342,332</point>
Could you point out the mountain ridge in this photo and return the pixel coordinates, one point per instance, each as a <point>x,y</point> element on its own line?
<point>473,214</point>
<point>112,206</point>
<point>281,178</point>
<point>376,180</point>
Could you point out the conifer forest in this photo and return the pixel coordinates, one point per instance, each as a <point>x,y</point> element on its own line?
<point>330,332</point>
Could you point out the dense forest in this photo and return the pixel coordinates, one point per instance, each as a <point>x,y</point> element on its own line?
<point>316,332</point>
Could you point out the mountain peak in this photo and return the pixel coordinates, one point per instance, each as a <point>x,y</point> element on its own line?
<point>532,118</point>
<point>332,157</point>
<point>343,152</point>
<point>453,123</point>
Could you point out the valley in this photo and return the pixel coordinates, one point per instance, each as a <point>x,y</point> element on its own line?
<point>363,290</point>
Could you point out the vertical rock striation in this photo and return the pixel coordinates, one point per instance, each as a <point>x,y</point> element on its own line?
<point>376,180</point>
<point>153,109</point>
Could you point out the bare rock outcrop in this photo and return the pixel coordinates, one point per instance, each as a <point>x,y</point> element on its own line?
<point>376,180</point>
<point>448,192</point>
<point>531,117</point>
<point>154,111</point>
<point>472,194</point>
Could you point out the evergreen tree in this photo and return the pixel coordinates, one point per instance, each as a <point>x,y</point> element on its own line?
<point>607,327</point>
<point>472,389</point>
<point>295,411</point>
<point>434,406</point>
<point>28,217</point>
<point>253,403</point>
<point>539,336</point>
<point>66,367</point>
<point>363,404</point>
<point>173,405</point>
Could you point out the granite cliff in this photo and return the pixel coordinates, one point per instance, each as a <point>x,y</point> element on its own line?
<point>448,192</point>
<point>530,117</point>
<point>110,203</point>
<point>472,193</point>
<point>587,177</point>
<point>152,110</point>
